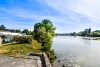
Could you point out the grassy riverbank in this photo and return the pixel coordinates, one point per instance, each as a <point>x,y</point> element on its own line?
<point>43,34</point>
<point>21,50</point>
<point>17,50</point>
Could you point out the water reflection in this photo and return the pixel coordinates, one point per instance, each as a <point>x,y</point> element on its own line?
<point>76,52</point>
<point>87,42</point>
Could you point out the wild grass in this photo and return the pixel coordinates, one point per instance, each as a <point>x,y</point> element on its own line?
<point>18,50</point>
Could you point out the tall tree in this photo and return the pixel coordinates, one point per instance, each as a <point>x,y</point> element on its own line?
<point>44,32</point>
<point>2,27</point>
<point>26,31</point>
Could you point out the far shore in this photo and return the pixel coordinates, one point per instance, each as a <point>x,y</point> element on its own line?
<point>91,38</point>
<point>87,38</point>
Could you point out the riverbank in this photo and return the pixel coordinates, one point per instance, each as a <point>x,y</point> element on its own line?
<point>18,55</point>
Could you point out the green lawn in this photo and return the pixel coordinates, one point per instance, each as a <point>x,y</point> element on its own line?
<point>17,50</point>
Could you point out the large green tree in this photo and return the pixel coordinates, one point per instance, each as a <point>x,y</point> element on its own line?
<point>44,32</point>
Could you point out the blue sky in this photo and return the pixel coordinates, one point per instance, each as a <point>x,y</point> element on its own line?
<point>66,15</point>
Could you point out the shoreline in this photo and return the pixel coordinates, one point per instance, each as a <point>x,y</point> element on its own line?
<point>91,38</point>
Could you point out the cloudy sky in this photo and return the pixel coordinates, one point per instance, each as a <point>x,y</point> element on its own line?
<point>66,15</point>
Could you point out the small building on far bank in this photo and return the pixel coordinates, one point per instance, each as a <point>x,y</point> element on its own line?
<point>7,36</point>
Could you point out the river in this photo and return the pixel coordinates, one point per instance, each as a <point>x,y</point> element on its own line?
<point>76,52</point>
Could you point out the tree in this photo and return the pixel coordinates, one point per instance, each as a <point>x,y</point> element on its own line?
<point>86,32</point>
<point>31,33</point>
<point>17,31</point>
<point>25,31</point>
<point>89,30</point>
<point>44,32</point>
<point>73,34</point>
<point>44,27</point>
<point>2,27</point>
<point>95,33</point>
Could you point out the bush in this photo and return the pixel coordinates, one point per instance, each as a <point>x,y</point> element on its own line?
<point>51,55</point>
<point>23,39</point>
<point>45,48</point>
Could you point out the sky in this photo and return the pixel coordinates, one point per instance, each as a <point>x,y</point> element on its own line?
<point>66,15</point>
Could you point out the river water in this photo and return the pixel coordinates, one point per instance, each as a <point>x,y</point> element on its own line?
<point>76,52</point>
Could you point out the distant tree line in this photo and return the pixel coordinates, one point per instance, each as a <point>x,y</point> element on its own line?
<point>88,33</point>
<point>26,31</point>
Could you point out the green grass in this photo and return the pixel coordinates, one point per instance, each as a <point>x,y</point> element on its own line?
<point>17,50</point>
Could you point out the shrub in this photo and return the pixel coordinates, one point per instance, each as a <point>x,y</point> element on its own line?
<point>51,55</point>
<point>23,39</point>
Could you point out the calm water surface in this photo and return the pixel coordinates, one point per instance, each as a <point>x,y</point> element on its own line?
<point>76,52</point>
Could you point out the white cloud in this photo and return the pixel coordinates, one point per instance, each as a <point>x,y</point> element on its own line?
<point>89,8</point>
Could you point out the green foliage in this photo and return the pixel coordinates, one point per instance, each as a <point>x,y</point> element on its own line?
<point>74,34</point>
<point>51,55</point>
<point>95,34</point>
<point>23,39</point>
<point>17,30</point>
<point>36,45</point>
<point>97,31</point>
<point>15,49</point>
<point>44,32</point>
<point>31,33</point>
<point>25,31</point>
<point>46,47</point>
<point>86,32</point>
<point>19,49</point>
<point>44,26</point>
<point>2,27</point>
